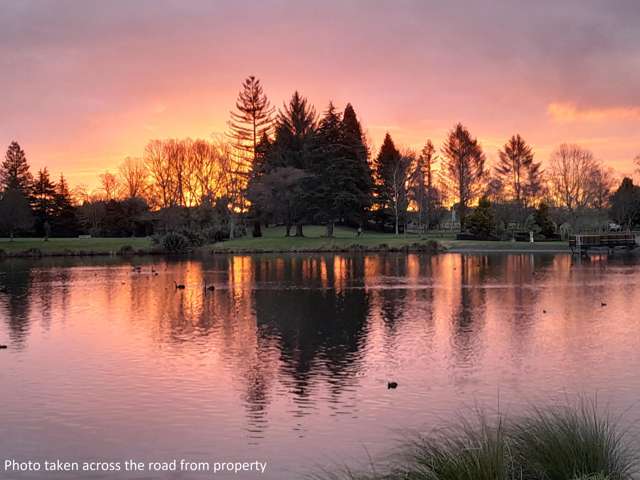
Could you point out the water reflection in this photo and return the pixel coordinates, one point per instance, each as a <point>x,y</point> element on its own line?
<point>292,350</point>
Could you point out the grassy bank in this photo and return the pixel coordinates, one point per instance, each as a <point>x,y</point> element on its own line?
<point>472,246</point>
<point>273,240</point>
<point>569,443</point>
<point>61,246</point>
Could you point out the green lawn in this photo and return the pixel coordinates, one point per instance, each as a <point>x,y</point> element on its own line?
<point>273,239</point>
<point>57,245</point>
<point>486,246</point>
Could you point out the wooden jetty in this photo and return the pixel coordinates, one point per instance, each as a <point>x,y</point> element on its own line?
<point>582,243</point>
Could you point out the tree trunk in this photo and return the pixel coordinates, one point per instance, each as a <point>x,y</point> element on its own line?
<point>257,229</point>
<point>330,229</point>
<point>11,235</point>
<point>397,232</point>
<point>299,230</point>
<point>232,225</point>
<point>287,230</point>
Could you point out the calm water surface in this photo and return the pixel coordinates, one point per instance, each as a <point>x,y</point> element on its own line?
<point>287,361</point>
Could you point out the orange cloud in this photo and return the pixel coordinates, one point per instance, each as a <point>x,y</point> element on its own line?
<point>569,112</point>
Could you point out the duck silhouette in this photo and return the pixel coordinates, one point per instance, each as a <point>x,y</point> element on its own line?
<point>602,304</point>
<point>2,347</point>
<point>209,288</point>
<point>392,385</point>
<point>179,286</point>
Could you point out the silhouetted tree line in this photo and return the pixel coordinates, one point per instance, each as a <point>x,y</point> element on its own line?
<point>296,167</point>
<point>34,204</point>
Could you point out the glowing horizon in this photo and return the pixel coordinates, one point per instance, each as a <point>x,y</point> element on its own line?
<point>87,85</point>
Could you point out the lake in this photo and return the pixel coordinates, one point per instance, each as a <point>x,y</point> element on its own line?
<point>288,360</point>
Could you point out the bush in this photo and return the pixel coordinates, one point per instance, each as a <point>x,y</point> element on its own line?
<point>543,220</point>
<point>156,239</point>
<point>175,243</point>
<point>466,236</point>
<point>215,234</point>
<point>557,444</point>
<point>430,246</point>
<point>481,223</point>
<point>126,250</point>
<point>195,237</point>
<point>554,444</point>
<point>463,452</point>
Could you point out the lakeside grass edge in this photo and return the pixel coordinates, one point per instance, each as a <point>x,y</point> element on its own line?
<point>569,442</point>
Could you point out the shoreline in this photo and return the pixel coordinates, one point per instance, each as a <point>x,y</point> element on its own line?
<point>423,248</point>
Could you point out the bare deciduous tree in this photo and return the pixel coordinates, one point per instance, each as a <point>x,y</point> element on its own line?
<point>133,177</point>
<point>576,179</point>
<point>399,188</point>
<point>422,185</point>
<point>233,181</point>
<point>205,169</point>
<point>602,183</point>
<point>109,185</point>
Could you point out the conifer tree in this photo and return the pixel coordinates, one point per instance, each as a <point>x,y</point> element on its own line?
<point>517,171</point>
<point>332,192</point>
<point>392,177</point>
<point>252,120</point>
<point>294,131</point>
<point>15,213</point>
<point>14,172</point>
<point>357,164</point>
<point>463,169</point>
<point>385,164</point>
<point>292,146</point>
<point>257,173</point>
<point>64,221</point>
<point>43,198</point>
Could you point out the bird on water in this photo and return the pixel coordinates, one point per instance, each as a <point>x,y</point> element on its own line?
<point>392,385</point>
<point>179,286</point>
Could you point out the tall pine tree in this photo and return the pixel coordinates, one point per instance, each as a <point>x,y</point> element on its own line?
<point>331,192</point>
<point>357,168</point>
<point>517,171</point>
<point>392,176</point>
<point>292,146</point>
<point>463,169</point>
<point>64,220</point>
<point>252,120</point>
<point>43,202</point>
<point>14,172</point>
<point>257,172</point>
<point>294,132</point>
<point>384,166</point>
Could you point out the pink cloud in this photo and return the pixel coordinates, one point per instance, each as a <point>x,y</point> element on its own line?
<point>569,112</point>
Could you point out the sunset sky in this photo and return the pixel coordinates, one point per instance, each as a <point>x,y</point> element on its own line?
<point>86,83</point>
